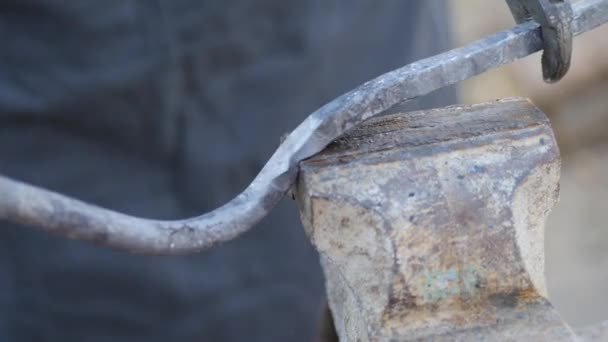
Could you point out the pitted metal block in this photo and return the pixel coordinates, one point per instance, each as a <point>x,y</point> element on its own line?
<point>431,224</point>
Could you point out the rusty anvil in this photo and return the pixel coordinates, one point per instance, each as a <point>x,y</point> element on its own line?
<point>430,225</point>
<point>543,24</point>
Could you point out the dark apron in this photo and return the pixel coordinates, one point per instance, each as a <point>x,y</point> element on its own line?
<point>166,109</point>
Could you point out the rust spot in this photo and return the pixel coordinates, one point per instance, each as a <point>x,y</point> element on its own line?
<point>416,267</point>
<point>400,301</point>
<point>515,297</point>
<point>527,295</point>
<point>345,222</point>
<point>375,289</point>
<point>504,299</point>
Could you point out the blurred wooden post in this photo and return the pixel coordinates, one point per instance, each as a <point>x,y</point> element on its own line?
<point>431,224</point>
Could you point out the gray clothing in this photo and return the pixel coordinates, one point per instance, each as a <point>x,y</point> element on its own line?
<point>166,109</point>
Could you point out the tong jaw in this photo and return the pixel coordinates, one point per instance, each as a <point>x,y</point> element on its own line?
<point>555,19</point>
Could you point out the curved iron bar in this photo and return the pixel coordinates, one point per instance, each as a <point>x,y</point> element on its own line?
<point>62,215</point>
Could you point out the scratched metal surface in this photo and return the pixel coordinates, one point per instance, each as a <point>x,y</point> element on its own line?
<point>430,225</point>
<point>66,216</point>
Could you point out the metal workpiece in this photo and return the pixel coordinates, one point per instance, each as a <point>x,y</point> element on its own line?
<point>60,214</point>
<point>430,225</point>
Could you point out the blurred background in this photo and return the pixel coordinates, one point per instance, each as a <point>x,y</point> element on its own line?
<point>577,235</point>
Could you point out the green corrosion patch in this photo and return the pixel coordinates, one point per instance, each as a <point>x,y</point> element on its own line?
<point>441,284</point>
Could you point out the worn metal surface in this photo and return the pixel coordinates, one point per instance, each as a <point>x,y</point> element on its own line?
<point>430,225</point>
<point>555,19</point>
<point>60,214</point>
